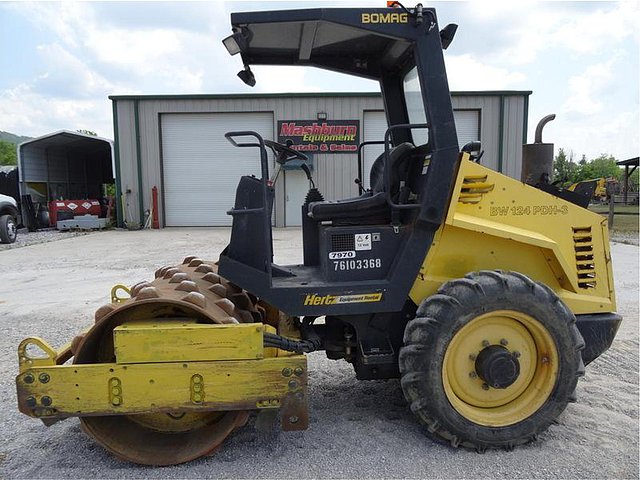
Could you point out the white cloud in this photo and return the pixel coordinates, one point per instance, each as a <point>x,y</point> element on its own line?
<point>26,111</point>
<point>140,48</point>
<point>567,53</point>
<point>526,30</point>
<point>591,33</point>
<point>66,75</point>
<point>467,73</point>
<point>591,136</point>
<point>586,89</point>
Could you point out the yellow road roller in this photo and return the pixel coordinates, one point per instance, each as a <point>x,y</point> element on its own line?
<point>484,295</point>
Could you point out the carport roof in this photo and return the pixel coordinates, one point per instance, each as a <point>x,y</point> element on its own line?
<point>64,138</point>
<point>630,161</point>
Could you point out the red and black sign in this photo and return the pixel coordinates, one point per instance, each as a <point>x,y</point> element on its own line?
<point>324,136</point>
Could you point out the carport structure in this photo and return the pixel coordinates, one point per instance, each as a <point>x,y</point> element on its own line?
<point>65,165</point>
<point>628,171</point>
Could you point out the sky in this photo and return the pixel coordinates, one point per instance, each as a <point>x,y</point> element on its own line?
<point>59,62</point>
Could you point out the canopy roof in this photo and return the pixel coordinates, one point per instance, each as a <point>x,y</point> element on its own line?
<point>630,161</point>
<point>74,140</point>
<point>341,39</point>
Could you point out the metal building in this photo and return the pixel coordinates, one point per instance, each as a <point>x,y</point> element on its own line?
<point>176,143</point>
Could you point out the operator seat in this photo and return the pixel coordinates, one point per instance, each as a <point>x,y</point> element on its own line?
<point>372,206</point>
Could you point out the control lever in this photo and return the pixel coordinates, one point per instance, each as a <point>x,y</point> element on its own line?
<point>307,172</point>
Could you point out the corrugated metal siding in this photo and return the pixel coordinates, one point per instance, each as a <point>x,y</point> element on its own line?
<point>334,173</point>
<point>489,124</point>
<point>34,165</point>
<point>57,165</point>
<point>128,165</point>
<point>513,115</point>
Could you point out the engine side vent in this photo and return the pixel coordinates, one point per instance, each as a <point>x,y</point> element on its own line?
<point>343,242</point>
<point>583,245</point>
<point>473,188</point>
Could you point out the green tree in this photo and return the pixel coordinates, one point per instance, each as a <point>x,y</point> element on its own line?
<point>563,168</point>
<point>8,153</point>
<point>603,166</point>
<point>87,132</point>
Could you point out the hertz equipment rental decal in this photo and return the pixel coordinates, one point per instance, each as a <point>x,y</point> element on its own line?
<point>313,299</point>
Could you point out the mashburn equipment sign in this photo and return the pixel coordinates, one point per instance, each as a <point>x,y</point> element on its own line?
<point>326,136</point>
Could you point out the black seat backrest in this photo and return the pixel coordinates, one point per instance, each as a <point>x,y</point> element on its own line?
<point>398,159</point>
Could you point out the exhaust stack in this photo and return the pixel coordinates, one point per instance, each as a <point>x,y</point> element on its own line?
<point>537,158</point>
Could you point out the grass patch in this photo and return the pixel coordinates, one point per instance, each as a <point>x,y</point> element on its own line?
<point>618,209</point>
<point>625,220</point>
<point>625,224</point>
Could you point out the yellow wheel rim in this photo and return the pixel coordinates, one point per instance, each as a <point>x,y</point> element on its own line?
<point>527,340</point>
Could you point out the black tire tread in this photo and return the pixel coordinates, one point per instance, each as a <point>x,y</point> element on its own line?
<point>433,319</point>
<point>4,233</point>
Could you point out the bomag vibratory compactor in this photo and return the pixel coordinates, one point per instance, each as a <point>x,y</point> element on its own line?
<point>486,296</point>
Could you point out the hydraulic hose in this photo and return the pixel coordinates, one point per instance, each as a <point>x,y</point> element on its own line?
<point>310,342</point>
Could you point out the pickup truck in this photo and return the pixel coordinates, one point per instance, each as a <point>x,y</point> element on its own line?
<point>8,219</point>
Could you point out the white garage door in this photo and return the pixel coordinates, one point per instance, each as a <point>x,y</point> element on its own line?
<point>467,126</point>
<point>201,168</point>
<point>375,125</point>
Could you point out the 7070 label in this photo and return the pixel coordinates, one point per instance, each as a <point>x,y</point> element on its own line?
<point>341,255</point>
<point>364,264</point>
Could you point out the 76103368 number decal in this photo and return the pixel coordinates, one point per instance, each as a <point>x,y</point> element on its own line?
<point>363,264</point>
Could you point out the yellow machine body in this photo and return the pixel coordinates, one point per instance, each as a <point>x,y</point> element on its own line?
<point>600,191</point>
<point>164,367</point>
<point>496,222</point>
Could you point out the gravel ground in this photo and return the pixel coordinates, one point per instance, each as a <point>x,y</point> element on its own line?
<point>26,238</point>
<point>358,429</point>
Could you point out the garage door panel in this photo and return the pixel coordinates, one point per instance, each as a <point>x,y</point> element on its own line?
<point>201,169</point>
<point>467,126</point>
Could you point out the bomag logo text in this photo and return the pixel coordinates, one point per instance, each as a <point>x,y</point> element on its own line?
<point>319,300</point>
<point>385,18</point>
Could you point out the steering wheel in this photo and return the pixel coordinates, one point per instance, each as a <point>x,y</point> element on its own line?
<point>283,153</point>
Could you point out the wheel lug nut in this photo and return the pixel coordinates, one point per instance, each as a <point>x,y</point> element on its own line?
<point>504,342</point>
<point>515,354</point>
<point>485,386</point>
<point>472,357</point>
<point>485,343</point>
<point>473,375</point>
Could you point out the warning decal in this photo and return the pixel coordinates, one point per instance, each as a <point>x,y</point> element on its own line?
<point>363,241</point>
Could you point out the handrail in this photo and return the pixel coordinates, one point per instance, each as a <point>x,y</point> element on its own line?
<point>264,211</point>
<point>388,166</point>
<point>360,172</point>
<point>264,166</point>
<point>263,151</point>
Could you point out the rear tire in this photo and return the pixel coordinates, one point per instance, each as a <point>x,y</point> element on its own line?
<point>466,398</point>
<point>8,229</point>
